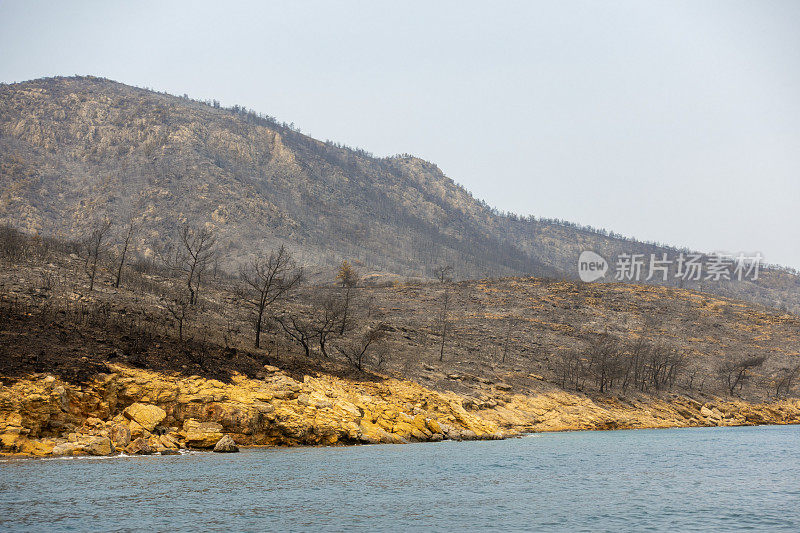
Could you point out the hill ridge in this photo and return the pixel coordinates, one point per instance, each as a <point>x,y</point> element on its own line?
<point>73,147</point>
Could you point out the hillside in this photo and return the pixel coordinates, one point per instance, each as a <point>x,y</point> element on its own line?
<point>73,150</point>
<point>98,370</point>
<point>521,331</point>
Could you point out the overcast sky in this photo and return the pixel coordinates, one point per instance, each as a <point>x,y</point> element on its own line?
<point>670,121</point>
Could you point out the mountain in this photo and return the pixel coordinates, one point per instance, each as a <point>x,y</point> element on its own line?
<point>73,150</point>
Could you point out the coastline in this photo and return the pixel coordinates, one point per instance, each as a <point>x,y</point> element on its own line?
<point>136,411</point>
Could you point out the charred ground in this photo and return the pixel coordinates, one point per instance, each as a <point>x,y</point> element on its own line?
<point>524,335</point>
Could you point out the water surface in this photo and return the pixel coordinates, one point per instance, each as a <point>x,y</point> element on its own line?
<point>678,479</point>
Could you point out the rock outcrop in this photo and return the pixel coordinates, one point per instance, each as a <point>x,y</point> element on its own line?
<point>201,434</point>
<point>146,416</point>
<point>141,412</point>
<point>140,447</point>
<point>564,411</point>
<point>226,445</point>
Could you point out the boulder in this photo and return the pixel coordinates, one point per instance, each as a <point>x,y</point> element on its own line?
<point>468,434</point>
<point>98,446</point>
<point>433,426</point>
<point>8,442</point>
<point>37,448</point>
<point>373,434</point>
<point>314,400</point>
<point>92,422</point>
<point>712,414</point>
<point>147,416</point>
<point>406,428</point>
<point>348,408</point>
<point>120,435</point>
<point>168,441</point>
<point>202,434</point>
<point>63,449</point>
<point>139,447</point>
<point>422,426</point>
<point>226,445</point>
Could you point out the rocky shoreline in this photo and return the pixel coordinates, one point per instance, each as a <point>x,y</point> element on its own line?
<point>137,412</point>
<point>141,412</point>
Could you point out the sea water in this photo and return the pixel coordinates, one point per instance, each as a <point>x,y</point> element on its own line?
<point>646,480</point>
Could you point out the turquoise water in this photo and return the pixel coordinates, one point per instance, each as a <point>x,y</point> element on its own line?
<point>679,479</point>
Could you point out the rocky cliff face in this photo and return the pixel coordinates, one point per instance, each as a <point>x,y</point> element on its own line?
<point>141,412</point>
<point>137,411</point>
<point>562,411</point>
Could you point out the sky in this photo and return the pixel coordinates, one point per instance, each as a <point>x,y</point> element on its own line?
<point>676,122</point>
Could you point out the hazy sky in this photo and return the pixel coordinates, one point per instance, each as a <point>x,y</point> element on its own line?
<point>669,121</point>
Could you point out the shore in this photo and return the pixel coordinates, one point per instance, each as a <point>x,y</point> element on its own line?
<point>136,411</point>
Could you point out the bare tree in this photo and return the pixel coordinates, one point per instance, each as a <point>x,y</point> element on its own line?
<point>735,372</point>
<point>443,321</point>
<point>13,244</point>
<point>785,380</point>
<point>231,330</point>
<point>192,254</point>
<point>298,329</point>
<point>356,351</point>
<point>93,248</point>
<point>571,369</point>
<point>604,361</point>
<point>129,233</point>
<point>443,273</point>
<point>664,365</point>
<point>329,312</point>
<point>349,278</point>
<point>511,324</point>
<point>267,280</point>
<point>179,306</point>
<point>319,322</point>
<point>635,364</point>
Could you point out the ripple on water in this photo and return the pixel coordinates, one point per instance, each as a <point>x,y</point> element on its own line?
<point>690,480</point>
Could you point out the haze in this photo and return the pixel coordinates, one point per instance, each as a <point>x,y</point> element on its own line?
<point>670,121</point>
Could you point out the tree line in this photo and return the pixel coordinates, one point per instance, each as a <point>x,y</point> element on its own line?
<point>268,294</point>
<point>609,363</point>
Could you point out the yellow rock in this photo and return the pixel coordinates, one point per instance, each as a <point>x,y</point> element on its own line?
<point>11,419</point>
<point>120,435</point>
<point>433,426</point>
<point>385,424</point>
<point>347,407</point>
<point>202,434</point>
<point>37,448</point>
<point>65,448</point>
<point>139,447</point>
<point>374,434</point>
<point>8,442</point>
<point>267,412</point>
<point>136,430</point>
<point>420,424</point>
<point>147,416</point>
<point>167,441</point>
<point>404,429</point>
<point>98,446</point>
